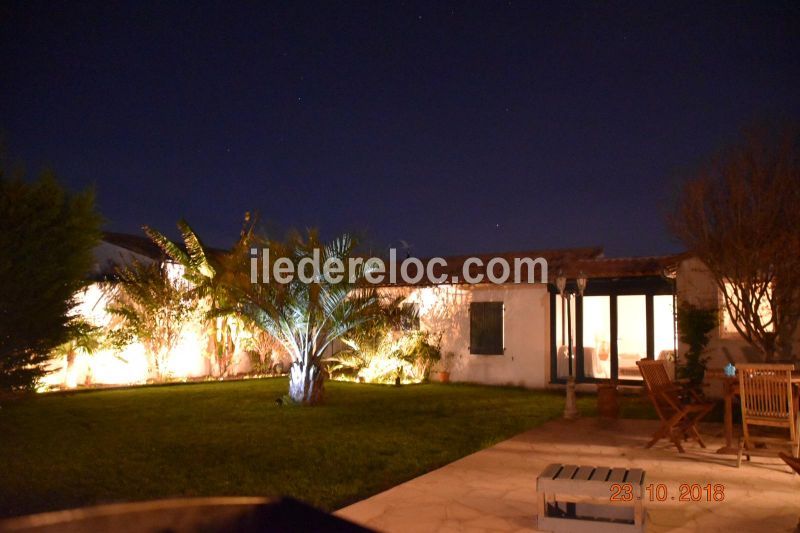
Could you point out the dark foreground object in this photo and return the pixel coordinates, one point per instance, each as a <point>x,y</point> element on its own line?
<point>242,515</point>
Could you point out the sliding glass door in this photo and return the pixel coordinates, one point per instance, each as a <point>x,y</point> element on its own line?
<point>614,326</point>
<point>597,337</point>
<point>631,334</point>
<point>562,339</point>
<point>664,331</point>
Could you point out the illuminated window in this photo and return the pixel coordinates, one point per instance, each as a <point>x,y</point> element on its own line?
<point>614,326</point>
<point>631,334</point>
<point>597,336</point>
<point>664,340</point>
<point>764,311</point>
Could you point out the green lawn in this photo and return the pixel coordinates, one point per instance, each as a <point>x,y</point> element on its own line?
<point>231,438</point>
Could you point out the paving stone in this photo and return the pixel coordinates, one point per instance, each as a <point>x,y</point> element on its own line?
<point>494,489</point>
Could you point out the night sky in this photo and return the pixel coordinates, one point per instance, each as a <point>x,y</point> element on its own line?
<point>457,128</point>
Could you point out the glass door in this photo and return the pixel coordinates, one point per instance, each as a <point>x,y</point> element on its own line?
<point>631,334</point>
<point>562,339</point>
<point>613,327</point>
<point>597,337</point>
<point>664,341</point>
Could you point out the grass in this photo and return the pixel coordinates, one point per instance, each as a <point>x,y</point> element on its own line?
<point>85,448</point>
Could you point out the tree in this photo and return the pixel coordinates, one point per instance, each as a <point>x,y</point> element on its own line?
<point>47,238</point>
<point>739,215</point>
<point>694,325</point>
<point>209,275</point>
<point>153,306</point>
<point>86,338</point>
<point>306,318</point>
<point>376,349</point>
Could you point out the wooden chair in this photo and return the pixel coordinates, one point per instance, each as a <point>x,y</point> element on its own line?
<point>679,409</point>
<point>766,398</point>
<point>793,462</point>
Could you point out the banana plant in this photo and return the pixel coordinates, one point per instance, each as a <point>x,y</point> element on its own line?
<point>208,273</point>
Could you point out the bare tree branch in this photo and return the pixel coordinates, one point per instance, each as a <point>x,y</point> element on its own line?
<point>740,215</point>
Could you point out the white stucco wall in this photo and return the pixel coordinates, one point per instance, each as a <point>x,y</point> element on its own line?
<point>131,365</point>
<point>445,310</point>
<point>695,285</point>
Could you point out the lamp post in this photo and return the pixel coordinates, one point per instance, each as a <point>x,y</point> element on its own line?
<point>570,407</point>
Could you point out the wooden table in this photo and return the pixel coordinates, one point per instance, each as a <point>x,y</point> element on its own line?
<point>730,388</point>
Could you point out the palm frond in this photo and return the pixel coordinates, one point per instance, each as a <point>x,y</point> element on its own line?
<point>197,252</point>
<point>170,248</point>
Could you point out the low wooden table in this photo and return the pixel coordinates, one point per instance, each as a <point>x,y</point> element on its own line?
<point>730,388</point>
<point>592,499</point>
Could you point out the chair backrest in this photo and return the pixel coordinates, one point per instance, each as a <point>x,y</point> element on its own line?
<point>660,389</point>
<point>654,374</point>
<point>766,393</point>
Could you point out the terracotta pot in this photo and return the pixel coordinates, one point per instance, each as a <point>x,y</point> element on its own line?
<point>444,377</point>
<point>607,402</point>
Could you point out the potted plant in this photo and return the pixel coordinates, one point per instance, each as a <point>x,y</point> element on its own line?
<point>694,325</point>
<point>445,365</point>
<point>607,400</point>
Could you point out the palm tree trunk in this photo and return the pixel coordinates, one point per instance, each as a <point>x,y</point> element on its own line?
<point>306,380</point>
<point>68,368</point>
<point>214,359</point>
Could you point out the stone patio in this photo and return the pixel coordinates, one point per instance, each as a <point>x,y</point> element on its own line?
<point>494,489</point>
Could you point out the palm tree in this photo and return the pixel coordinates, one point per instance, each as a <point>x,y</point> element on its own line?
<point>85,338</point>
<point>374,338</point>
<point>306,318</point>
<point>209,274</point>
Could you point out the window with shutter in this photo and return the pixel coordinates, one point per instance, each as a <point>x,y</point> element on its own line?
<point>486,328</point>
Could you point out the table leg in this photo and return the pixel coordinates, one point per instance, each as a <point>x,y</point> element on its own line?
<point>728,448</point>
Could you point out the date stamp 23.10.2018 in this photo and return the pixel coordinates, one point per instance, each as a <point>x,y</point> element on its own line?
<point>660,492</point>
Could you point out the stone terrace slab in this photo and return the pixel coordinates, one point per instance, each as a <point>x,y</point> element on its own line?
<point>495,489</point>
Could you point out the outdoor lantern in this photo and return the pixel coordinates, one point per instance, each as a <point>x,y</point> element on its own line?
<point>561,282</point>
<point>581,281</point>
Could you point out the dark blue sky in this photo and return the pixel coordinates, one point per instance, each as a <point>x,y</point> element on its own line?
<point>458,128</point>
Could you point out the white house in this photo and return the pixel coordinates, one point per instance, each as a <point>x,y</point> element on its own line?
<point>495,334</point>
<point>514,334</point>
<point>131,365</point>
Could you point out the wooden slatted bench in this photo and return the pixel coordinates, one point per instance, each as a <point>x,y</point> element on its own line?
<point>579,499</point>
